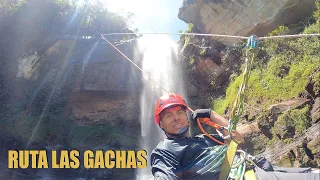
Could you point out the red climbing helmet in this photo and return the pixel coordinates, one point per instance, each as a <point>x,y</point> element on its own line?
<point>168,100</point>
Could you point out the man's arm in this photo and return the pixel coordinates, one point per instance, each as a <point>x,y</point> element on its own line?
<point>159,175</point>
<point>163,163</point>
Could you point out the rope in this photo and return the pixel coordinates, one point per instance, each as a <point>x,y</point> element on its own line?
<point>134,64</point>
<point>288,36</point>
<point>207,134</point>
<point>216,35</point>
<point>237,107</point>
<point>235,113</point>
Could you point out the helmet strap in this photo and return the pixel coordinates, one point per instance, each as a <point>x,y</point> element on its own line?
<point>182,132</point>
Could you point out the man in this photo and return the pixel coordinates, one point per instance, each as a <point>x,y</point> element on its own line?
<point>181,156</point>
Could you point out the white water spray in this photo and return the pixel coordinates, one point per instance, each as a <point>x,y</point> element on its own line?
<point>161,62</point>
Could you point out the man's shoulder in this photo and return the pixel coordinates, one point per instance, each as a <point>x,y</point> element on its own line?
<point>165,144</point>
<point>176,144</point>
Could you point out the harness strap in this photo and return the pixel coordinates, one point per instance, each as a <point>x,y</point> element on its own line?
<point>226,166</point>
<point>249,175</point>
<point>213,125</point>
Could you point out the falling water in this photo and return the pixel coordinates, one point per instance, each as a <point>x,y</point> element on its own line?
<point>160,61</point>
<point>88,56</point>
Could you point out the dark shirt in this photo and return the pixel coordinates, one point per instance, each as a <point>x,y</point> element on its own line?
<point>201,158</point>
<point>187,158</point>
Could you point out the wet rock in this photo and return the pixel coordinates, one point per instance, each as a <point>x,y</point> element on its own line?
<point>298,147</point>
<point>314,150</point>
<point>315,111</point>
<point>252,112</point>
<point>313,87</point>
<point>254,143</point>
<point>287,105</point>
<point>205,67</point>
<point>29,66</point>
<point>100,107</point>
<point>265,123</point>
<point>248,128</point>
<point>209,63</point>
<point>285,129</point>
<point>191,90</point>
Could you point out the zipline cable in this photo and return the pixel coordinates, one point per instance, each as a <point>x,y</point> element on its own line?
<point>194,34</point>
<point>134,64</point>
<point>215,35</point>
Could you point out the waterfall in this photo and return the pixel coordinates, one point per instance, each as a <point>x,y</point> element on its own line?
<point>160,61</point>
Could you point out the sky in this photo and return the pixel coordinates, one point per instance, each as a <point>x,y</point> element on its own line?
<point>151,15</point>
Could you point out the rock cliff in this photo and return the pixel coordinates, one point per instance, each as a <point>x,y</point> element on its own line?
<point>100,81</point>
<point>244,17</point>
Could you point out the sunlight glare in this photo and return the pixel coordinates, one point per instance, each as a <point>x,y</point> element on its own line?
<point>157,49</point>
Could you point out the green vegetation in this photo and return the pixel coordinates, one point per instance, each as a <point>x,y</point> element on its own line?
<point>47,129</point>
<point>285,74</point>
<point>9,7</point>
<point>296,120</point>
<point>192,60</point>
<point>101,134</point>
<point>301,119</point>
<point>203,52</point>
<point>187,37</point>
<point>54,129</point>
<point>190,28</point>
<point>316,14</point>
<point>286,161</point>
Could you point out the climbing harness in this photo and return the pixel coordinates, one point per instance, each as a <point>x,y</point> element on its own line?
<point>215,126</point>
<point>242,167</point>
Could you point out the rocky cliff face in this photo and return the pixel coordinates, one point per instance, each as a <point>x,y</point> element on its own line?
<point>82,94</point>
<point>100,82</point>
<point>291,136</point>
<point>98,107</point>
<point>245,17</point>
<point>284,132</point>
<point>209,64</point>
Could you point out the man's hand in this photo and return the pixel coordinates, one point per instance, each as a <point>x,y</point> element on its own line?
<point>201,113</point>
<point>253,42</point>
<point>236,135</point>
<point>216,118</point>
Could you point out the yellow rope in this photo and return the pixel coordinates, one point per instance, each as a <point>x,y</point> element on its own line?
<point>235,113</point>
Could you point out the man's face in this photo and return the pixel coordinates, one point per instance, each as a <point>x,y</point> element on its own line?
<point>173,119</point>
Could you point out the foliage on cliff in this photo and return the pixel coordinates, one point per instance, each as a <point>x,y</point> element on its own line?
<point>281,71</point>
